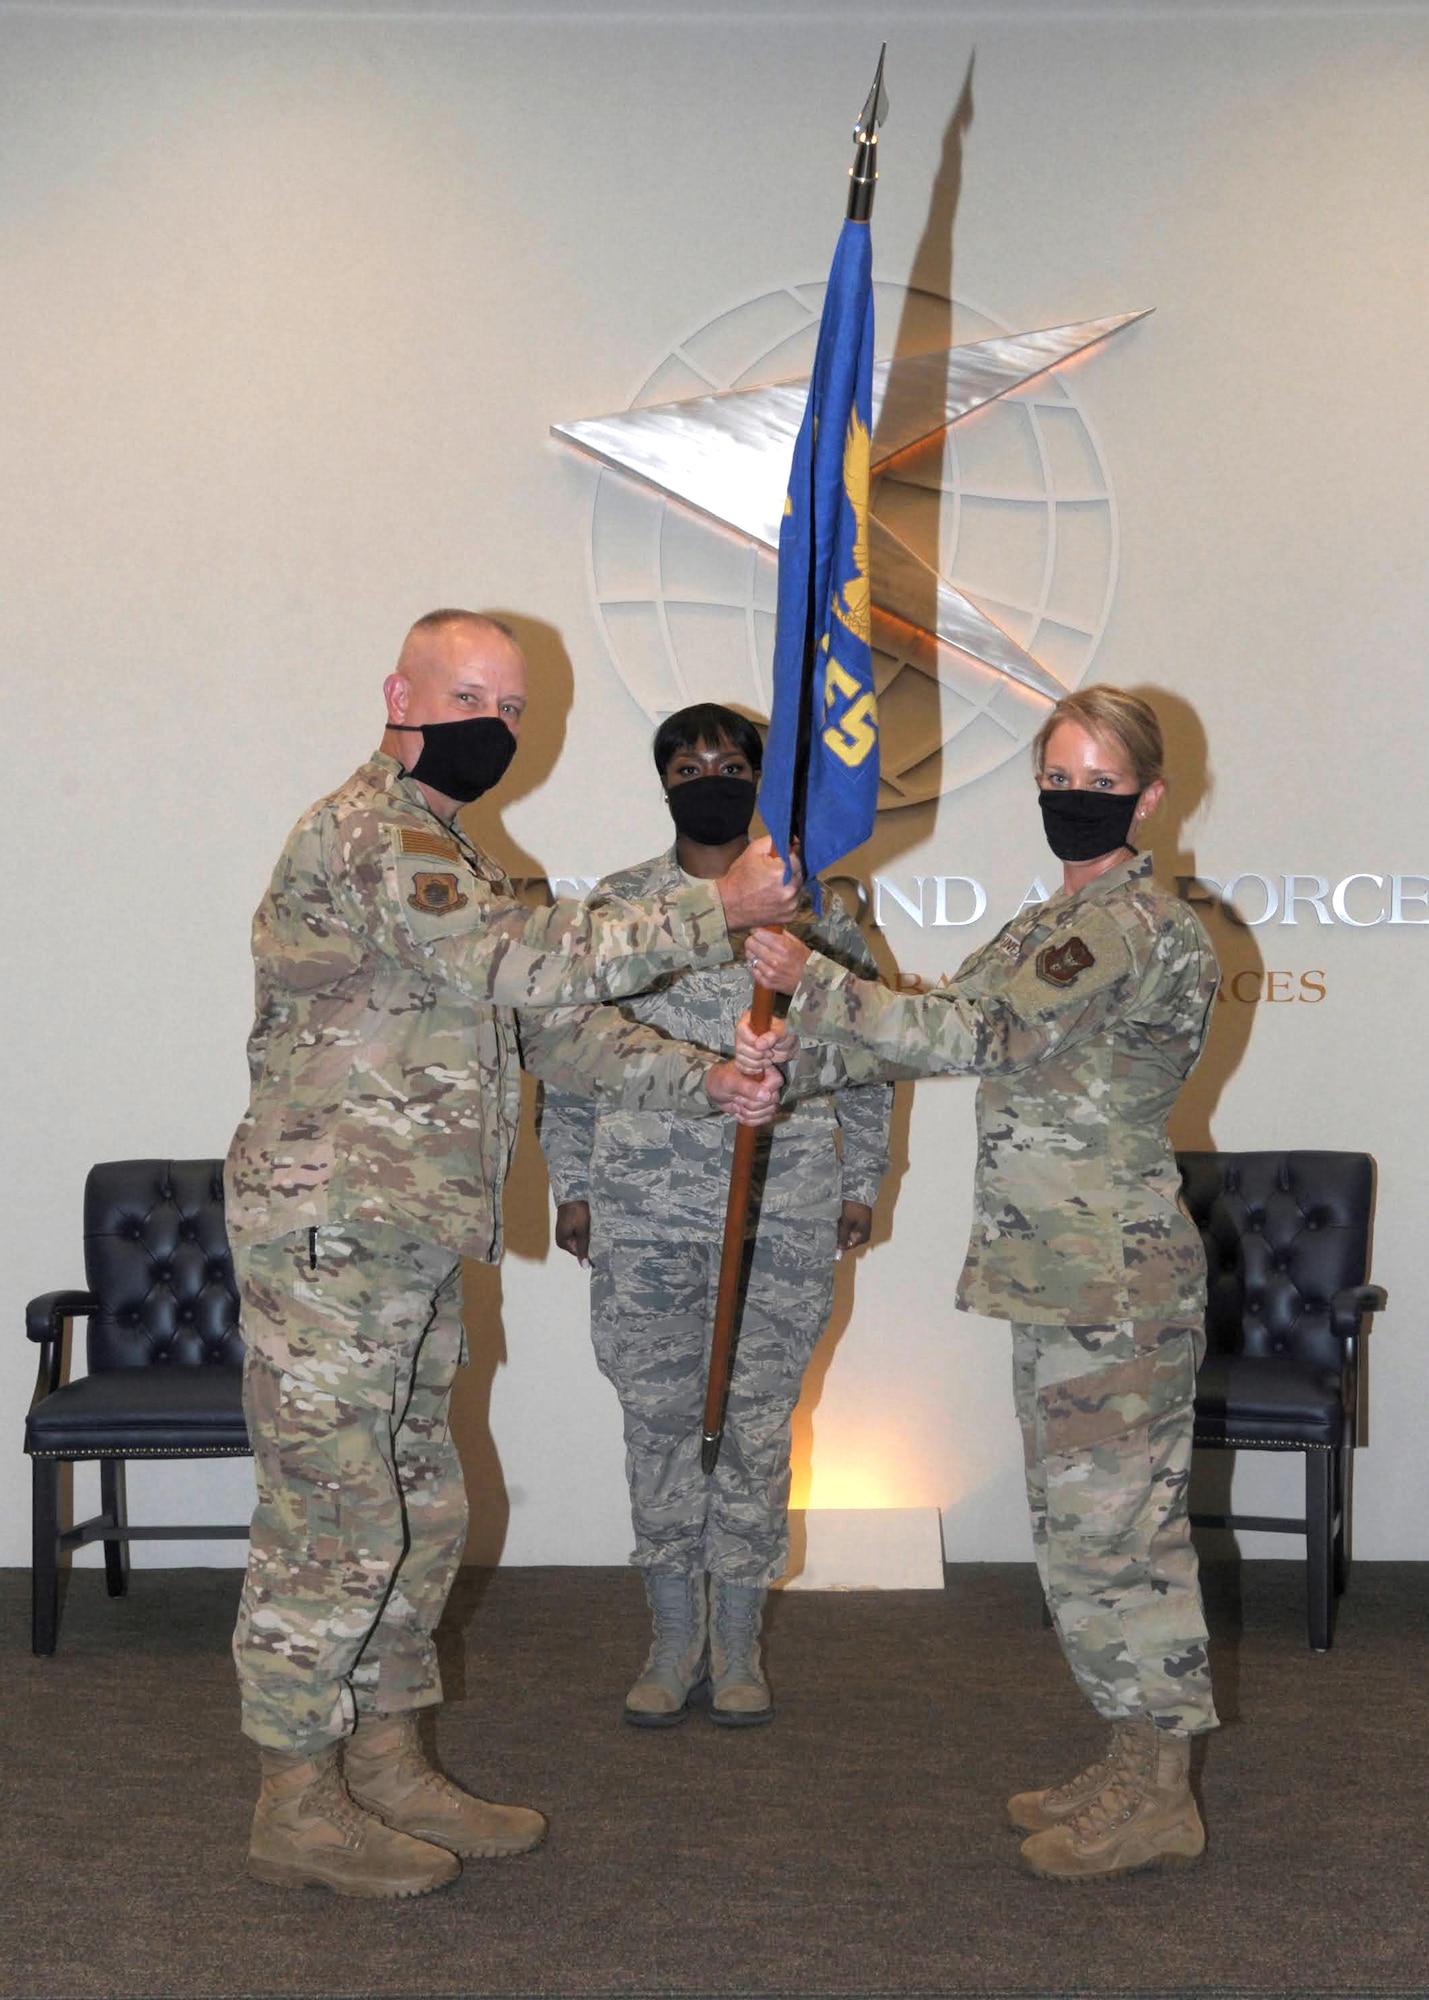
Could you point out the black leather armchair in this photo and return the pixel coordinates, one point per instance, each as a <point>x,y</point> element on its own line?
<point>1287,1244</point>
<point>165,1360</point>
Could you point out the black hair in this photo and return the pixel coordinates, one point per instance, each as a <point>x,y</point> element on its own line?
<point>707,724</point>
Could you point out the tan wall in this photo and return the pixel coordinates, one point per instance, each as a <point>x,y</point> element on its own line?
<point>289,305</point>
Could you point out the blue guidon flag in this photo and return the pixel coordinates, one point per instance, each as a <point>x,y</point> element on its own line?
<point>820,779</point>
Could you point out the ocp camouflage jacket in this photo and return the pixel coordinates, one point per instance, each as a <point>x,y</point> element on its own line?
<point>651,1174</point>
<point>389,955</point>
<point>1082,1017</point>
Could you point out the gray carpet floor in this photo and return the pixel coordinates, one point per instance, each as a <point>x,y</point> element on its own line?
<point>855,1847</point>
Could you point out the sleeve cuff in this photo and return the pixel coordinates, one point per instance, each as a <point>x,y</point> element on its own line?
<point>818,1011</point>
<point>694,1098</point>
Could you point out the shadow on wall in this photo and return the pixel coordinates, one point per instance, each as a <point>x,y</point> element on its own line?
<point>526,1197</point>
<point>925,327</point>
<point>1189,785</point>
<point>526,1207</point>
<point>841,1318</point>
<point>543,735</point>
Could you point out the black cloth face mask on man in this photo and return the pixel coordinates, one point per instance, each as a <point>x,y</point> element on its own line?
<point>461,760</point>
<point>712,811</point>
<point>1082,826</point>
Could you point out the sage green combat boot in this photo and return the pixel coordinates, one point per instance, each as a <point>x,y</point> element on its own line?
<point>1034,1812</point>
<point>740,1692</point>
<point>388,1773</point>
<point>307,1830</point>
<point>1145,1818</point>
<point>675,1673</point>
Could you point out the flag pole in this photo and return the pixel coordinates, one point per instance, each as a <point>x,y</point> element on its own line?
<point>863,177</point>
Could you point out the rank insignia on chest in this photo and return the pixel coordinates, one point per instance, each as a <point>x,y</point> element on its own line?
<point>1063,964</point>
<point>437,894</point>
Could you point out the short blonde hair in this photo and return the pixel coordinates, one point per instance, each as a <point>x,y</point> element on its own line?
<point>1113,716</point>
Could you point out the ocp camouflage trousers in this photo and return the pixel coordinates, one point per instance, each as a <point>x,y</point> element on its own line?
<point>354,1338</point>
<point>1106,1415</point>
<point>652,1317</point>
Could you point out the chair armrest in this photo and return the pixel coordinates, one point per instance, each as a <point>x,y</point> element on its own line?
<point>45,1315</point>
<point>44,1323</point>
<point>1348,1307</point>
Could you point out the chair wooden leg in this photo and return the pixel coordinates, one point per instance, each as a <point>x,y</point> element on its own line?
<point>1344,1491</point>
<point>1319,1555</point>
<point>44,1554</point>
<point>113,1505</point>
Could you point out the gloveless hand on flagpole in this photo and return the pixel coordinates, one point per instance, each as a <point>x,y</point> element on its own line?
<point>820,779</point>
<point>776,959</point>
<point>759,887</point>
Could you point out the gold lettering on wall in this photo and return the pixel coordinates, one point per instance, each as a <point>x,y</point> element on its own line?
<point>1274,987</point>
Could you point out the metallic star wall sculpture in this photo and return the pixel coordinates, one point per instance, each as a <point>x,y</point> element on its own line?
<point>727,457</point>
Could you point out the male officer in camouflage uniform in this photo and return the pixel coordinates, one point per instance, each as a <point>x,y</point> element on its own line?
<point>644,1191</point>
<point>390,954</point>
<point>1081,1019</point>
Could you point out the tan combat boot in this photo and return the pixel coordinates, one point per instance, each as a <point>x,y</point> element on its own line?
<point>740,1698</point>
<point>1034,1812</point>
<point>388,1773</point>
<point>674,1674</point>
<point>1145,1818</point>
<point>307,1830</point>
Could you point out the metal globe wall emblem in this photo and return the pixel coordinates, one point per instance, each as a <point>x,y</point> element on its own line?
<point>1000,527</point>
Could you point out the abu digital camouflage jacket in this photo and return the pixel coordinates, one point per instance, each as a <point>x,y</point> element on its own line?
<point>390,955</point>
<point>1082,1017</point>
<point>658,1174</point>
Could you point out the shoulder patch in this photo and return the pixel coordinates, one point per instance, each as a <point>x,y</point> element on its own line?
<point>417,840</point>
<point>1089,953</point>
<point>1063,964</point>
<point>437,895</point>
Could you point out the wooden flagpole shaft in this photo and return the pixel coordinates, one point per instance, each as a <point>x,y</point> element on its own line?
<point>731,1263</point>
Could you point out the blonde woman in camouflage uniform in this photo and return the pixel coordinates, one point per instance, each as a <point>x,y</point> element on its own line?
<point>1082,1019</point>
<point>390,954</point>
<point>641,1192</point>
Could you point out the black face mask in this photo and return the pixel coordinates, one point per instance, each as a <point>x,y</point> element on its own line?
<point>1082,826</point>
<point>462,759</point>
<point>712,811</point>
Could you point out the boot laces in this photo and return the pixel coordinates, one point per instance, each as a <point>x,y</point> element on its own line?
<point>414,1772</point>
<point>1133,1773</point>
<point>739,1623</point>
<point>329,1796</point>
<point>1098,1775</point>
<point>675,1628</point>
<point>1109,1810</point>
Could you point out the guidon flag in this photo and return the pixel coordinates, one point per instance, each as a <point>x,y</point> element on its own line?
<point>820,779</point>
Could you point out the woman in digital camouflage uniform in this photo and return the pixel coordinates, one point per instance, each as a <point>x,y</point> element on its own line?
<point>1081,1019</point>
<point>642,1196</point>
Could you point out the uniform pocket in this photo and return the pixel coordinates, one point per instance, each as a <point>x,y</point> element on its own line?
<point>1086,1410</point>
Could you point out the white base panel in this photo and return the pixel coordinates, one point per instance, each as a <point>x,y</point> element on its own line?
<point>864,1548</point>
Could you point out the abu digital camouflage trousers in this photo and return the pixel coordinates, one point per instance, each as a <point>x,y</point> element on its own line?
<point>1106,1415</point>
<point>652,1314</point>
<point>354,1338</point>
